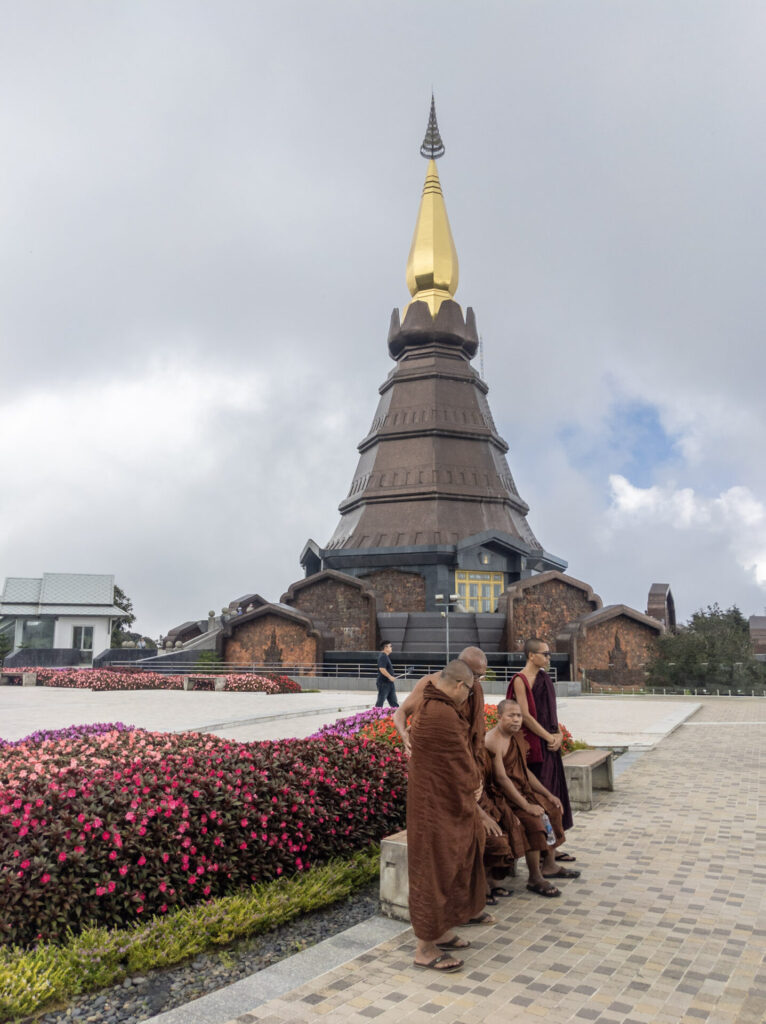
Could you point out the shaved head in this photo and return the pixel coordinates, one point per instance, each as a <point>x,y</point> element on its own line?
<point>475,659</point>
<point>458,672</point>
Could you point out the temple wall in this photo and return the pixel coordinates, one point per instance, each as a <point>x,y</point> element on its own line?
<point>398,591</point>
<point>251,640</point>
<point>616,651</point>
<point>543,610</point>
<point>342,610</point>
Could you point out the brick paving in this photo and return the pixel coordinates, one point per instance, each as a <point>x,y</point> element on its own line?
<point>667,925</point>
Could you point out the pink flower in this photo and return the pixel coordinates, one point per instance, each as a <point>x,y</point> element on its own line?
<point>25,864</point>
<point>62,856</point>
<point>142,859</point>
<point>45,879</point>
<point>123,869</point>
<point>111,886</point>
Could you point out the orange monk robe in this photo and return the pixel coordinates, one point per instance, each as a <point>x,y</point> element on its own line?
<point>517,771</point>
<point>472,710</point>
<point>445,838</point>
<point>500,852</point>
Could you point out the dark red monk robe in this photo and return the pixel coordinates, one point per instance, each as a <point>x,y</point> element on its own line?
<point>534,743</point>
<point>517,771</point>
<point>550,771</point>
<point>445,838</point>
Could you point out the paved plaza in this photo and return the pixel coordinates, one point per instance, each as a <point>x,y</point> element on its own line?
<point>635,722</point>
<point>667,924</point>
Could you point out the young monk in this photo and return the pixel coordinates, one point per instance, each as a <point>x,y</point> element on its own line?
<point>527,796</point>
<point>445,837</point>
<point>505,839</point>
<point>550,770</point>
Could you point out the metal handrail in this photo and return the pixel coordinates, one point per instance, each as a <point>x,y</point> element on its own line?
<point>332,670</point>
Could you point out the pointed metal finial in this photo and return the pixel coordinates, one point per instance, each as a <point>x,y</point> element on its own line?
<point>432,147</point>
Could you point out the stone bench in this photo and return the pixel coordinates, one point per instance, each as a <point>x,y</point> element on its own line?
<point>27,678</point>
<point>190,682</point>
<point>394,882</point>
<point>585,771</point>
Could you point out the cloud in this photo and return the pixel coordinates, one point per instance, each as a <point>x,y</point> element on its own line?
<point>735,518</point>
<point>207,212</point>
<point>178,481</point>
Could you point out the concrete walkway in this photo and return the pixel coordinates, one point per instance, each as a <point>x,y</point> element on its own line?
<point>666,926</point>
<point>636,722</point>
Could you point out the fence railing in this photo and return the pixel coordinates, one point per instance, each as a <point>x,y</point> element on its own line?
<point>340,670</point>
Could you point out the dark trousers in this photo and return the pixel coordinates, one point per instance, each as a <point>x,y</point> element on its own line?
<point>386,692</point>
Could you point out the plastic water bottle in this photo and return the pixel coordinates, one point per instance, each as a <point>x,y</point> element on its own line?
<point>550,836</point>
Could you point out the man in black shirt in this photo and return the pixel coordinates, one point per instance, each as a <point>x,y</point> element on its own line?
<point>386,678</point>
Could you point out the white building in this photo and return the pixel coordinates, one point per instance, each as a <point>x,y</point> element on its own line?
<point>62,610</point>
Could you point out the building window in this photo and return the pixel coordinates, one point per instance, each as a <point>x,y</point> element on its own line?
<point>37,633</point>
<point>82,638</point>
<point>479,591</point>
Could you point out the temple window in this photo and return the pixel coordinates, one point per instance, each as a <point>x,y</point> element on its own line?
<point>479,591</point>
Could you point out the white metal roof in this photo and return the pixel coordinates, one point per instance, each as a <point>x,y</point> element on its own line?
<point>60,593</point>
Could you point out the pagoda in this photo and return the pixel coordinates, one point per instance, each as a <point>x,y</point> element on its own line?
<point>432,495</point>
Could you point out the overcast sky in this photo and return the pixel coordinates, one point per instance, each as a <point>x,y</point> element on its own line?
<point>206,215</point>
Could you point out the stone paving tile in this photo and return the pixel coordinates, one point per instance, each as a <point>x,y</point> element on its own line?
<point>666,926</point>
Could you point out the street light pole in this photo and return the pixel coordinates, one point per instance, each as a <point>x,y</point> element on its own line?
<point>446,605</point>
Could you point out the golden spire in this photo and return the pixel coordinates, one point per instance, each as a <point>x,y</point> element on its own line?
<point>432,268</point>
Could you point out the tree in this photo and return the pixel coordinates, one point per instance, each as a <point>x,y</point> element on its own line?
<point>121,629</point>
<point>713,651</point>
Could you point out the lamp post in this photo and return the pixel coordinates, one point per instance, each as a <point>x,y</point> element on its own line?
<point>446,605</point>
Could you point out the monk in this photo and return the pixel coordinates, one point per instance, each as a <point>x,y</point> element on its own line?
<point>472,709</point>
<point>550,771</point>
<point>505,840</point>
<point>529,799</point>
<point>500,826</point>
<point>445,838</point>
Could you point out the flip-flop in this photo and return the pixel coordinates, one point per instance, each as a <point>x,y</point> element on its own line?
<point>563,873</point>
<point>565,857</point>
<point>454,943</point>
<point>483,918</point>
<point>491,900</point>
<point>431,965</point>
<point>550,891</point>
<point>502,892</point>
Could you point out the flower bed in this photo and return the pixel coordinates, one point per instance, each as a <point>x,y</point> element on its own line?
<point>108,679</point>
<point>104,827</point>
<point>71,732</point>
<point>377,724</point>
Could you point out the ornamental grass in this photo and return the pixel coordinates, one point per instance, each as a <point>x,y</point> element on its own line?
<point>48,974</point>
<point>104,828</point>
